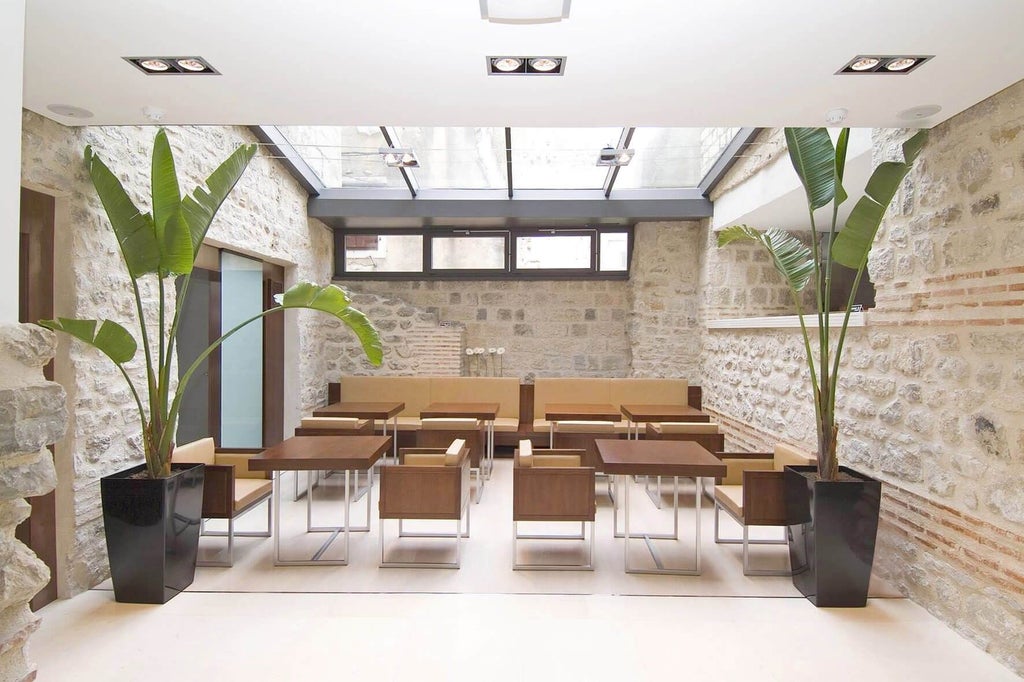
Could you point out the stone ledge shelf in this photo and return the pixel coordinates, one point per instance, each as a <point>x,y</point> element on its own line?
<point>785,322</point>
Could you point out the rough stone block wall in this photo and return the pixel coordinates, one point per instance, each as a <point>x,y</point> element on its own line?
<point>562,328</point>
<point>665,325</point>
<point>932,395</point>
<point>32,416</point>
<point>264,217</point>
<point>413,341</point>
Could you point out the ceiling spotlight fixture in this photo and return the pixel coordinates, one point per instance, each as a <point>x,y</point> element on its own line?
<point>865,64</point>
<point>399,158</point>
<point>878,63</point>
<point>610,156</point>
<point>836,116</point>
<point>69,111</point>
<point>525,66</point>
<point>154,65</point>
<point>507,64</point>
<point>544,64</point>
<point>524,11</point>
<point>919,113</point>
<point>168,66</point>
<point>901,64</point>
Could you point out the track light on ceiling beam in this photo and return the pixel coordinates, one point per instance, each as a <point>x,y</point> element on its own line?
<point>399,158</point>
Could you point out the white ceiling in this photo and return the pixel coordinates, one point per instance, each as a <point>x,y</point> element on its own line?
<point>420,62</point>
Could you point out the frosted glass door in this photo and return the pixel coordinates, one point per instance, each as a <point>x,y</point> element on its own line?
<point>241,396</point>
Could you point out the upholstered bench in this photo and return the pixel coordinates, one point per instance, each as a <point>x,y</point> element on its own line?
<point>229,489</point>
<point>752,494</point>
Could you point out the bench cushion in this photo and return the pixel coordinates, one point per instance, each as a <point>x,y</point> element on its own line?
<point>647,391</point>
<point>450,424</point>
<point>684,427</point>
<point>332,423</point>
<point>585,427</point>
<point>501,390</point>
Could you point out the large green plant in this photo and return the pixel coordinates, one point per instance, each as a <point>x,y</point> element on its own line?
<point>165,243</point>
<point>820,165</point>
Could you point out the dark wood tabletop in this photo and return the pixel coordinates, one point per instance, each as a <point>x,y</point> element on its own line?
<point>637,412</point>
<point>361,410</point>
<point>601,412</point>
<point>485,411</point>
<point>302,453</point>
<point>657,458</point>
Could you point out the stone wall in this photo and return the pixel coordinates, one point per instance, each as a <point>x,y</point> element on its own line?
<point>32,415</point>
<point>562,328</point>
<point>932,395</point>
<point>264,217</point>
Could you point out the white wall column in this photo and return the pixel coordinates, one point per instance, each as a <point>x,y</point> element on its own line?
<point>12,57</point>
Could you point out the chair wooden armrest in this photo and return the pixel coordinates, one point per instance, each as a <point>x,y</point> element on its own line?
<point>219,491</point>
<point>408,492</point>
<point>553,494</point>
<point>763,498</point>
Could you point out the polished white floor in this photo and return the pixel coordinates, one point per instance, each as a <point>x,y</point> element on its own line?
<point>256,621</point>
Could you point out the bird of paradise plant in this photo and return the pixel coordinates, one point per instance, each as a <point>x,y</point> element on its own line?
<point>820,166</point>
<point>164,243</point>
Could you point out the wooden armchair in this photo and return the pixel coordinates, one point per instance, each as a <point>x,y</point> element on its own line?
<point>552,485</point>
<point>229,489</point>
<point>438,432</point>
<point>427,483</point>
<point>752,494</point>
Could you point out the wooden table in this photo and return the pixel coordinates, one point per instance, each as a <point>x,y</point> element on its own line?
<point>317,453</point>
<point>563,412</point>
<point>636,413</point>
<point>487,412</point>
<point>627,458</point>
<point>367,410</point>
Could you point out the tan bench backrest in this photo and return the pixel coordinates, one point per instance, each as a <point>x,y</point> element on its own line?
<point>648,391</point>
<point>565,390</point>
<point>501,390</point>
<point>413,391</point>
<point>688,427</point>
<point>331,423</point>
<point>787,455</point>
<point>200,451</point>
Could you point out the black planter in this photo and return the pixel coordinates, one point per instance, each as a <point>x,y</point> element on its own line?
<point>152,529</point>
<point>832,529</point>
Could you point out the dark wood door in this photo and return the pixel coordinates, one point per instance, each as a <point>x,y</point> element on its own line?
<point>35,302</point>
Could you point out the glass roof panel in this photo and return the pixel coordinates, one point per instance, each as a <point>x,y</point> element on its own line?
<point>456,158</point>
<point>672,157</point>
<point>344,156</point>
<point>560,158</point>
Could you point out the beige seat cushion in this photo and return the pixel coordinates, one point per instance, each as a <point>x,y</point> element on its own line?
<point>404,424</point>
<point>449,424</point>
<point>248,490</point>
<point>201,451</point>
<point>685,427</point>
<point>730,497</point>
<point>506,424</point>
<point>332,423</point>
<point>787,455</point>
<point>525,453</point>
<point>555,461</point>
<point>585,427</point>
<point>451,455</point>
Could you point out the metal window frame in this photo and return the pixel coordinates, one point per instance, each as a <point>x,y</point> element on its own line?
<point>542,233</point>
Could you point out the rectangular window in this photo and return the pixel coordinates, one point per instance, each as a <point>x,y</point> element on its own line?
<point>555,252</point>
<point>437,252</point>
<point>469,252</point>
<point>390,253</point>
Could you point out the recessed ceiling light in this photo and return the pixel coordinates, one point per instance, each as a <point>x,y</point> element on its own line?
<point>507,64</point>
<point>878,63</point>
<point>172,66</point>
<point>154,65</point>
<point>901,64</point>
<point>865,63</point>
<point>921,112</point>
<point>544,64</point>
<point>69,111</point>
<point>191,64</point>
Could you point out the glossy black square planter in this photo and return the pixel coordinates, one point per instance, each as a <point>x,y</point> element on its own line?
<point>152,531</point>
<point>832,529</point>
